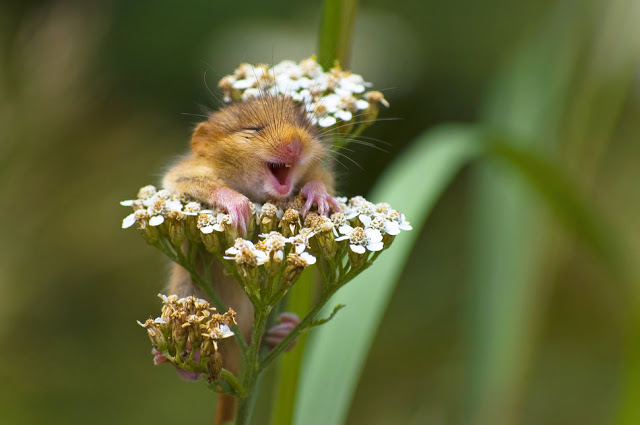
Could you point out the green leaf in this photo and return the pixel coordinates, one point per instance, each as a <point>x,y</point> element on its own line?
<point>565,199</point>
<point>326,319</point>
<point>338,350</point>
<point>515,249</point>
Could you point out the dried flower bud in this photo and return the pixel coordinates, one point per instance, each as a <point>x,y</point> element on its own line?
<point>214,366</point>
<point>296,263</point>
<point>187,333</point>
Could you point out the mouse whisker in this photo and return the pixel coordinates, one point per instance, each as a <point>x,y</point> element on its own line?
<point>347,157</point>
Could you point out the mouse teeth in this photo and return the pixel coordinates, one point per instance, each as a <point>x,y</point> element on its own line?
<point>280,171</point>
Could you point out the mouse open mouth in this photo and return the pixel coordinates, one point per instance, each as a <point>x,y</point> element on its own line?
<point>280,177</point>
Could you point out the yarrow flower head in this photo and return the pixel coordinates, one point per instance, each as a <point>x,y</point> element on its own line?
<point>332,98</point>
<point>283,237</point>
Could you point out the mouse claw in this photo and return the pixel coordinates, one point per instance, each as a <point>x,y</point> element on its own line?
<point>236,205</point>
<point>277,333</point>
<point>316,193</point>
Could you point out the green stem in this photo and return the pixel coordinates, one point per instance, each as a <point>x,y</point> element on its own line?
<point>252,365</point>
<point>300,327</point>
<point>284,389</point>
<point>233,381</point>
<point>334,41</point>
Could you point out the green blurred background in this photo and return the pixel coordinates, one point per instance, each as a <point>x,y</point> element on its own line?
<point>97,98</point>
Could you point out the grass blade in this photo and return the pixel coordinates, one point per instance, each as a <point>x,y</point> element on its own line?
<point>337,351</point>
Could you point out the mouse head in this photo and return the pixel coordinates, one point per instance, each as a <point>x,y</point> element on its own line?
<point>262,147</point>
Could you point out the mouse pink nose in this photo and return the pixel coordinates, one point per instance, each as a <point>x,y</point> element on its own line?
<point>292,151</point>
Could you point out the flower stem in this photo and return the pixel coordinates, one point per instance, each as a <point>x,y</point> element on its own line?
<point>233,382</point>
<point>300,301</point>
<point>252,365</point>
<point>295,332</point>
<point>334,41</point>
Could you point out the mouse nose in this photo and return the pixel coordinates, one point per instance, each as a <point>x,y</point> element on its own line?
<point>292,151</point>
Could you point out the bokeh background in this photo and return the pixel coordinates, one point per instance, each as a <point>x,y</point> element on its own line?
<point>97,98</point>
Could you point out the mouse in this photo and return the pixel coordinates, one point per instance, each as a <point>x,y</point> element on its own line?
<point>258,150</point>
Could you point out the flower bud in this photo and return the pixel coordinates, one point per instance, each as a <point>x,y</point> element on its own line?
<point>176,232</point>
<point>214,366</point>
<point>296,263</point>
<point>211,242</point>
<point>268,218</point>
<point>375,98</point>
<point>290,223</point>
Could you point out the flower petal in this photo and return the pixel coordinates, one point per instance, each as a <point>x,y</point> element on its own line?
<point>156,220</point>
<point>225,331</point>
<point>327,121</point>
<point>207,229</point>
<point>310,259</point>
<point>358,249</point>
<point>128,221</point>
<point>391,228</point>
<point>375,246</point>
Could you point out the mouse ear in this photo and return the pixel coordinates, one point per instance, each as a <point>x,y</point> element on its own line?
<point>201,138</point>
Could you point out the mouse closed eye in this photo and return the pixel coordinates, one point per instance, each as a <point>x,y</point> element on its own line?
<point>256,128</point>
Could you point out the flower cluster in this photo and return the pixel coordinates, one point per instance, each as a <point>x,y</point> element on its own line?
<point>187,334</point>
<point>280,241</point>
<point>332,98</point>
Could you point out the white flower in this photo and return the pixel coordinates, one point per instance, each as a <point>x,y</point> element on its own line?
<point>343,115</point>
<point>273,245</point>
<point>399,218</point>
<point>359,207</point>
<point>353,83</point>
<point>146,192</point>
<point>244,84</point>
<point>139,216</point>
<point>310,67</point>
<point>206,221</point>
<point>362,240</point>
<point>300,242</point>
<point>381,222</point>
<point>192,208</point>
<point>224,331</point>
<point>244,252</point>
<point>268,210</point>
<point>328,96</point>
<point>340,223</point>
<point>251,93</point>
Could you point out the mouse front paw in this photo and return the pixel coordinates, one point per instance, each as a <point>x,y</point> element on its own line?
<point>316,193</point>
<point>277,333</point>
<point>235,204</point>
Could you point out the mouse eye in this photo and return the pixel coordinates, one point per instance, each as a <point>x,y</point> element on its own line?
<point>254,128</point>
